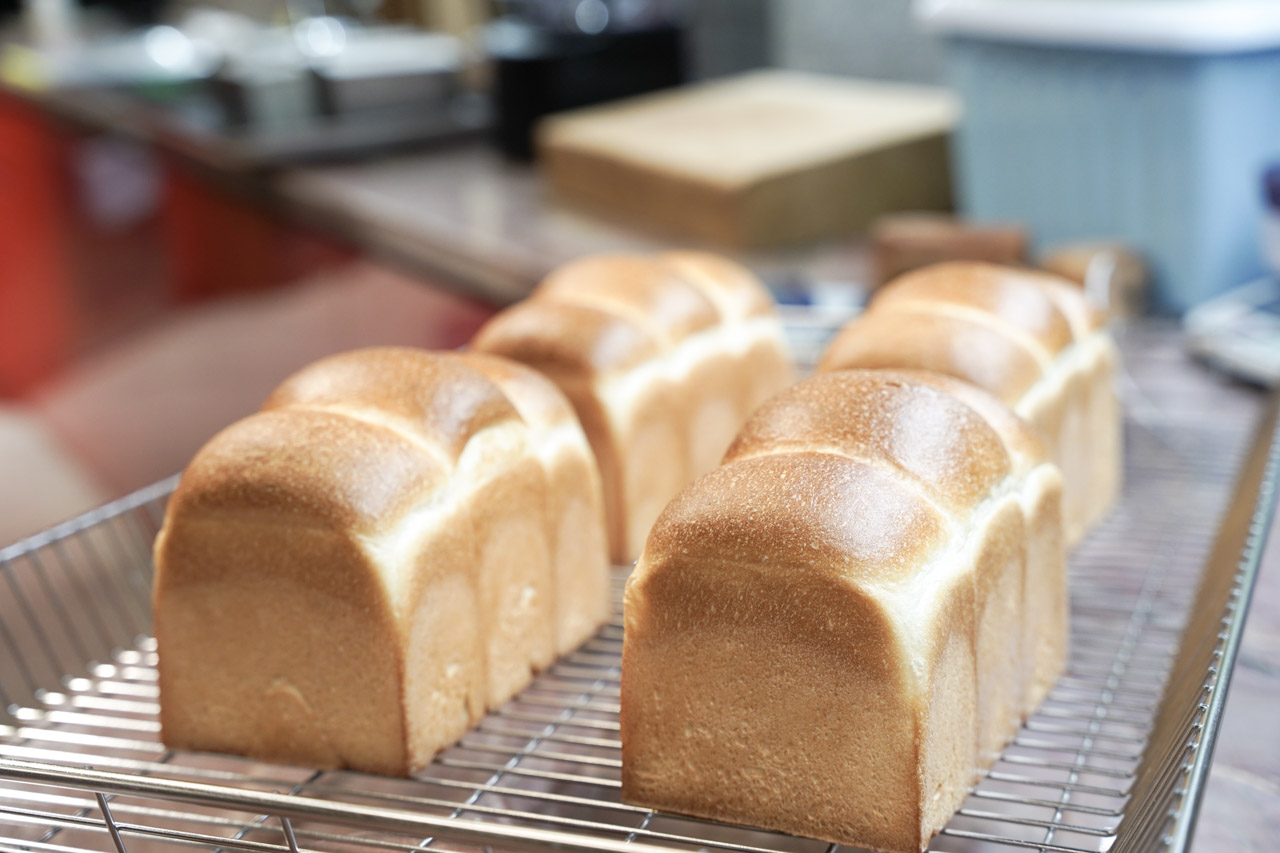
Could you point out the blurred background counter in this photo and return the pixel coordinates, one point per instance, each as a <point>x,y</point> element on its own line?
<point>127,198</point>
<point>165,162</point>
<point>183,225</point>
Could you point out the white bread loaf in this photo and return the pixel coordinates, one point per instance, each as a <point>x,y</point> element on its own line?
<point>1028,338</point>
<point>351,576</point>
<point>833,632</point>
<point>662,358</point>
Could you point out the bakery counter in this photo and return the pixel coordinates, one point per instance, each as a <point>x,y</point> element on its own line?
<point>117,214</point>
<point>452,212</point>
<point>463,213</point>
<point>1096,769</point>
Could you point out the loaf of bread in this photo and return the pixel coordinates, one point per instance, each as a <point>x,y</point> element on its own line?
<point>1028,338</point>
<point>662,358</point>
<point>833,632</point>
<point>349,577</point>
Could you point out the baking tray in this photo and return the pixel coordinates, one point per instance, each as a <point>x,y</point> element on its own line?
<point>1115,760</point>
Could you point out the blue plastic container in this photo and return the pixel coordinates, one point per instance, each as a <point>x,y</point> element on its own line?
<point>1151,122</point>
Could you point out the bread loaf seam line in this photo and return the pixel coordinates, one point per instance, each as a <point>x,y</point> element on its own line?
<point>552,442</point>
<point>377,417</point>
<point>621,391</point>
<point>908,597</point>
<point>883,465</point>
<point>1081,317</point>
<point>728,310</point>
<point>639,319</point>
<point>914,600</point>
<point>390,549</point>
<point>626,313</point>
<point>905,600</point>
<point>980,317</point>
<point>1085,352</point>
<point>468,473</point>
<point>1038,479</point>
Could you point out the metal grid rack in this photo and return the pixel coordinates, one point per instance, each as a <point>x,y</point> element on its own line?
<point>1114,760</point>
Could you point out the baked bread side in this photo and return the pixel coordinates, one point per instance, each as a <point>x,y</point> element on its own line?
<point>495,479</point>
<point>351,576</point>
<point>277,633</point>
<point>1025,337</point>
<point>827,634</point>
<point>574,508</point>
<point>1046,603</point>
<point>662,358</point>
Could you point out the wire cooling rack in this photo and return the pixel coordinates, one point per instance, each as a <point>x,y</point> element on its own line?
<point>1114,760</point>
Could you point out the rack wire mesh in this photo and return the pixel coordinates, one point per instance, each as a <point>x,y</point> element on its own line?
<point>1114,760</point>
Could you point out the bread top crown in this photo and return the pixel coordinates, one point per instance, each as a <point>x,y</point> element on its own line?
<point>736,292</point>
<point>644,291</point>
<point>356,441</point>
<point>998,327</point>
<point>883,417</point>
<point>434,397</point>
<point>866,473</point>
<point>612,312</point>
<point>536,398</point>
<point>1011,299</point>
<point>803,511</point>
<point>278,467</point>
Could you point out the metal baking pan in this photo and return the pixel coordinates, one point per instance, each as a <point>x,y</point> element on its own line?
<point>1116,759</point>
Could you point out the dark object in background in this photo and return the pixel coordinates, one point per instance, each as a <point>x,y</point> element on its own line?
<point>539,71</point>
<point>264,99</point>
<point>1271,218</point>
<point>389,70</point>
<point>135,12</point>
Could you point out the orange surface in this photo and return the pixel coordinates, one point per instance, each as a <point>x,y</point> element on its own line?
<point>37,322</point>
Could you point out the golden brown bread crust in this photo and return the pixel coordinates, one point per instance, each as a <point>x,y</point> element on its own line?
<point>550,335</point>
<point>956,345</point>
<point>651,295</point>
<point>575,505</point>
<point>828,635</point>
<point>348,578</point>
<point>956,444</point>
<point>735,291</point>
<point>230,679</point>
<point>792,511</point>
<point>278,467</point>
<point>1028,338</point>
<point>662,359</point>
<point>1016,298</point>
<point>442,402</point>
<point>749,694</point>
<point>1045,602</point>
<point>1025,447</point>
<point>927,434</point>
<point>537,400</point>
<point>440,399</point>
